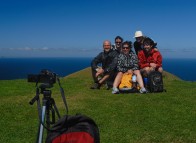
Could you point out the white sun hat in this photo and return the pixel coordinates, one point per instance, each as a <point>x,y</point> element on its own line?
<point>138,34</point>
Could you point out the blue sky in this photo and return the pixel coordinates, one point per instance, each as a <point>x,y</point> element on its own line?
<point>64,28</point>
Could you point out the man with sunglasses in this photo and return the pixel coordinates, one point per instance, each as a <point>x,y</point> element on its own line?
<point>108,61</point>
<point>127,63</point>
<point>118,44</point>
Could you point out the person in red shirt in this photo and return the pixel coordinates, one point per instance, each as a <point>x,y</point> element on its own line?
<point>149,58</point>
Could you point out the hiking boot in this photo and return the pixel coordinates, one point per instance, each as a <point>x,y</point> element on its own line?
<point>143,90</point>
<point>95,86</point>
<point>115,90</point>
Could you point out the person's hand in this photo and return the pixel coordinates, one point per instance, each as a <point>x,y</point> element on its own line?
<point>99,72</point>
<point>153,65</point>
<point>130,71</point>
<point>152,69</point>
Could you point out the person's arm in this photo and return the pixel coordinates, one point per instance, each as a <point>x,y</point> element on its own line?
<point>120,64</point>
<point>113,64</point>
<point>159,60</point>
<point>142,60</point>
<point>134,58</point>
<point>96,61</point>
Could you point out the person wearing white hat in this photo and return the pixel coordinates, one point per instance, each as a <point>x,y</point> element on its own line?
<point>139,37</point>
<point>138,44</point>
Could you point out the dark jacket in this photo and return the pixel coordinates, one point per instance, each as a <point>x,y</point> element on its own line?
<point>137,47</point>
<point>127,62</point>
<point>108,61</point>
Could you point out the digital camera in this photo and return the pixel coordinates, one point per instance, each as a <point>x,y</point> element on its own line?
<point>45,76</point>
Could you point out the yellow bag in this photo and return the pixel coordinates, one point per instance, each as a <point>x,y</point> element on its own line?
<point>126,81</point>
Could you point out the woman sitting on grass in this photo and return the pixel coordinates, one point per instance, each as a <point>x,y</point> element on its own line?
<point>149,58</point>
<point>127,63</point>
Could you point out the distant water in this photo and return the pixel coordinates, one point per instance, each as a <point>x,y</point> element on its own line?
<point>19,68</point>
<point>183,68</point>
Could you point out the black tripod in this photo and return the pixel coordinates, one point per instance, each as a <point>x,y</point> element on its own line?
<point>48,108</point>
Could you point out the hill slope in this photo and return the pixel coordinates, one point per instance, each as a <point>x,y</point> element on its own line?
<point>123,118</point>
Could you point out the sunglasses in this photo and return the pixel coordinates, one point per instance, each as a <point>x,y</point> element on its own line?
<point>125,48</point>
<point>118,42</point>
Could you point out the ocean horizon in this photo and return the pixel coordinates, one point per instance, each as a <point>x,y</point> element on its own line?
<point>19,68</point>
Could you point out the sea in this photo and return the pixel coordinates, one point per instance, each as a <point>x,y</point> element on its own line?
<point>20,68</point>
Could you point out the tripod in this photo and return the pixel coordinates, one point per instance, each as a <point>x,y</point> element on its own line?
<point>48,108</point>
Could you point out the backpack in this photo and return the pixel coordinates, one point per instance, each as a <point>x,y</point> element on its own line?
<point>126,81</point>
<point>155,82</point>
<point>126,85</point>
<point>74,129</point>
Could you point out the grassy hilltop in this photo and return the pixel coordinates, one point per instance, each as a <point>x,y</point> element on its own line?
<point>124,118</point>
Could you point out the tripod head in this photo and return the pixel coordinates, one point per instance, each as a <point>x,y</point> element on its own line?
<point>45,85</point>
<point>46,93</point>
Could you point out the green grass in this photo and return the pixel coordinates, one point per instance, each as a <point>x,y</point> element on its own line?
<point>167,117</point>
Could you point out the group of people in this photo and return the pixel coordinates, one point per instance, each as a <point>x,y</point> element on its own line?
<point>109,66</point>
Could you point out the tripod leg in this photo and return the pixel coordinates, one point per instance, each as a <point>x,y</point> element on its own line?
<point>55,108</point>
<point>41,128</point>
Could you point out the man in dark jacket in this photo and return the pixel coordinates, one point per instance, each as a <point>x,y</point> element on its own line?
<point>108,61</point>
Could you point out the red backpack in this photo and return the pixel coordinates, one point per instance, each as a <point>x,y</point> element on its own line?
<point>74,129</point>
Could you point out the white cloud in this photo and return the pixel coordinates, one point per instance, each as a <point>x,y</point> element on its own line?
<point>27,49</point>
<point>45,48</point>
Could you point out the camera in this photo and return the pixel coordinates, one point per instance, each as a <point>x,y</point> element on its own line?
<point>45,76</point>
